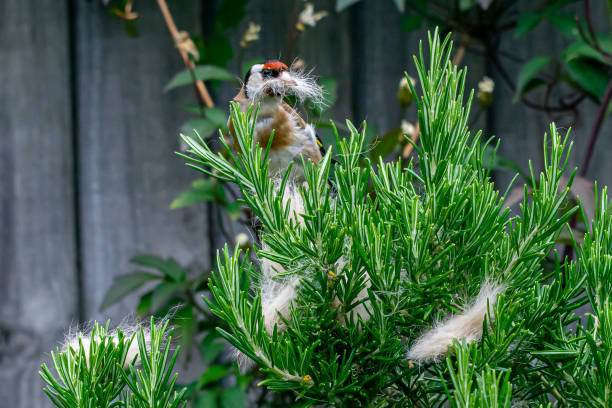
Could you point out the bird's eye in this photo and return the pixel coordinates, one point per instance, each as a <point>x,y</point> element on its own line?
<point>270,73</point>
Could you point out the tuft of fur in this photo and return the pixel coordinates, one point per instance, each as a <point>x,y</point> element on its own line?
<point>433,344</point>
<point>128,327</point>
<point>72,343</point>
<point>278,293</point>
<point>361,310</point>
<point>304,89</point>
<point>293,197</point>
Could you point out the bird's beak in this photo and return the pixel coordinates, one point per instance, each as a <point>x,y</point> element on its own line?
<point>287,79</point>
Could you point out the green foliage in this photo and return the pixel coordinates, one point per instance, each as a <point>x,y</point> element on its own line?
<point>394,248</point>
<point>587,74</point>
<point>201,72</point>
<point>106,369</point>
<point>488,388</point>
<point>584,64</point>
<point>385,144</point>
<point>527,79</point>
<point>168,275</point>
<point>526,23</point>
<point>208,189</point>
<point>169,291</point>
<point>455,218</point>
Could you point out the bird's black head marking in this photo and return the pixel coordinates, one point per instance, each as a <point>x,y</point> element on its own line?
<point>246,81</point>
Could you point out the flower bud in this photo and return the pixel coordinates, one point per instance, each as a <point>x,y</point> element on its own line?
<point>308,17</point>
<point>250,35</point>
<point>242,241</point>
<point>485,92</point>
<point>404,96</point>
<point>407,129</point>
<point>186,45</point>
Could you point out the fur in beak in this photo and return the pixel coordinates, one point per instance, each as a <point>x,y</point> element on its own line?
<point>287,79</point>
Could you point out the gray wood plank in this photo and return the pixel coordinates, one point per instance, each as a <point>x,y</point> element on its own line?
<point>600,168</point>
<point>382,52</point>
<point>38,277</point>
<point>127,135</point>
<point>327,48</point>
<point>318,47</point>
<point>521,128</point>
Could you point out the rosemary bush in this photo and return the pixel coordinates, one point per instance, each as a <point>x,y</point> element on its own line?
<point>411,283</point>
<point>115,370</point>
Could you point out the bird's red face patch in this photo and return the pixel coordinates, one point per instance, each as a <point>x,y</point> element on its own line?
<point>276,66</point>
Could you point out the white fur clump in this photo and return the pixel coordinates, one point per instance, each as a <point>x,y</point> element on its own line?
<point>72,341</point>
<point>361,310</point>
<point>293,197</point>
<point>276,297</point>
<point>304,88</point>
<point>278,293</point>
<point>433,344</point>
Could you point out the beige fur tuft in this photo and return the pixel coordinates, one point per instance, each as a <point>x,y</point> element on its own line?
<point>433,344</point>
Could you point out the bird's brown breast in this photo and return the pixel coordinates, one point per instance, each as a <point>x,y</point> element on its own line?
<point>279,121</point>
<point>283,127</point>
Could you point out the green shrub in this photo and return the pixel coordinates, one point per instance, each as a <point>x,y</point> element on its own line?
<point>411,284</point>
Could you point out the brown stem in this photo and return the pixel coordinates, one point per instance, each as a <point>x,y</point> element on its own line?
<point>536,106</point>
<point>201,88</point>
<point>587,16</point>
<point>568,252</point>
<point>465,42</point>
<point>596,128</point>
<point>194,79</point>
<point>591,39</point>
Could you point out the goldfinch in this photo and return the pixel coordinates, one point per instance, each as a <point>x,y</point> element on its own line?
<point>268,84</point>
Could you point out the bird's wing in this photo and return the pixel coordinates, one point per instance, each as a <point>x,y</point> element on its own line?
<point>303,125</point>
<point>230,135</point>
<point>295,115</point>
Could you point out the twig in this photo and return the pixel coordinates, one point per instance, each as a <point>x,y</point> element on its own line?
<point>465,42</point>
<point>568,252</point>
<point>533,105</point>
<point>592,40</point>
<point>596,128</point>
<point>201,88</point>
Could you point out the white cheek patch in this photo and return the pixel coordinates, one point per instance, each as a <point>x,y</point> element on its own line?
<point>299,83</point>
<point>255,84</point>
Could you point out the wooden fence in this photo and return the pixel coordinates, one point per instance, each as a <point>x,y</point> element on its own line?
<point>86,159</point>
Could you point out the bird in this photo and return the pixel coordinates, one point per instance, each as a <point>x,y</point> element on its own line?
<point>268,84</point>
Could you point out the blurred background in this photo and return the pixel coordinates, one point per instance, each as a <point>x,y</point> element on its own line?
<point>100,219</point>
